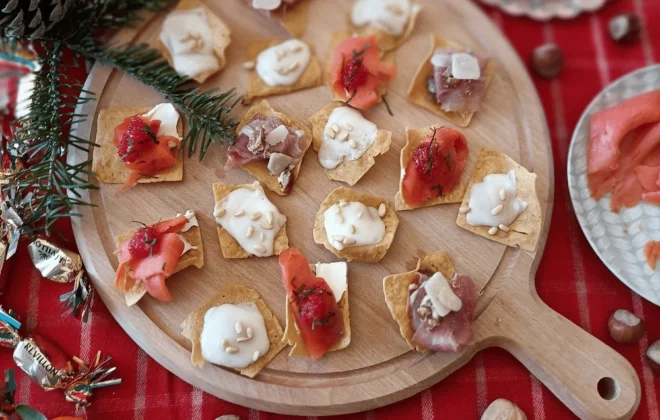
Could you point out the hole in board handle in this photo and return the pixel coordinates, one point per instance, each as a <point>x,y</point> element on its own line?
<point>608,388</point>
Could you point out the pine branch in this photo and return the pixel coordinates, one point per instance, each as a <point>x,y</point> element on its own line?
<point>207,113</point>
<point>48,177</point>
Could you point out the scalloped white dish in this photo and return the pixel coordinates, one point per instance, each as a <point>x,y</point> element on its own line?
<point>617,238</point>
<point>547,9</point>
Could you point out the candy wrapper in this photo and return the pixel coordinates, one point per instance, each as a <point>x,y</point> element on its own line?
<point>10,223</point>
<point>63,266</point>
<point>7,404</point>
<point>49,367</point>
<point>9,327</point>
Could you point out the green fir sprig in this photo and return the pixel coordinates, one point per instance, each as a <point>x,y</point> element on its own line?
<point>56,186</point>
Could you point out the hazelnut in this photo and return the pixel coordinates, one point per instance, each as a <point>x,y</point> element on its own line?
<point>625,327</point>
<point>547,60</point>
<point>625,28</point>
<point>653,356</point>
<point>502,409</point>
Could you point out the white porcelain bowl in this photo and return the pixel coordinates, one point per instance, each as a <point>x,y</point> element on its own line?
<point>547,9</point>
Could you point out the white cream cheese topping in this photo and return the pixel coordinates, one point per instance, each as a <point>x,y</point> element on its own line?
<point>251,219</point>
<point>335,275</point>
<point>192,220</point>
<point>169,119</point>
<point>234,336</point>
<point>353,224</point>
<point>347,135</point>
<point>390,16</point>
<point>464,66</point>
<point>187,37</point>
<point>442,297</point>
<point>493,202</point>
<point>283,64</point>
<point>187,246</point>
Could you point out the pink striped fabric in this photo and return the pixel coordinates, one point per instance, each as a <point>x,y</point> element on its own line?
<point>580,288</point>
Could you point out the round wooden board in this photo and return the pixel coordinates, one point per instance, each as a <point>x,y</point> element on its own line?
<point>377,368</point>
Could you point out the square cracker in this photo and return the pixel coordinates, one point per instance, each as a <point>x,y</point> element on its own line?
<point>292,335</point>
<point>106,163</point>
<point>364,253</point>
<point>336,39</point>
<point>311,77</point>
<point>396,291</point>
<point>387,42</point>
<point>234,294</point>
<point>259,169</point>
<point>348,171</point>
<point>418,94</point>
<point>525,230</point>
<point>415,137</point>
<point>230,246</point>
<point>220,36</point>
<point>194,257</point>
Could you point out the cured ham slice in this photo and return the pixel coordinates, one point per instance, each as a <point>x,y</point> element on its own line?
<point>609,127</point>
<point>157,267</point>
<point>250,145</point>
<point>455,95</point>
<point>453,331</point>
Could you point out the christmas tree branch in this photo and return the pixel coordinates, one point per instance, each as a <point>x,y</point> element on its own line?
<point>47,179</point>
<point>207,112</point>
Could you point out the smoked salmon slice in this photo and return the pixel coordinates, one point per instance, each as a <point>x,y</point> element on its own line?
<point>157,267</point>
<point>640,147</point>
<point>608,128</point>
<point>315,309</point>
<point>652,253</point>
<point>366,95</point>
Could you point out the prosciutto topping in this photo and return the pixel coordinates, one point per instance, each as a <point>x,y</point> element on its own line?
<point>455,95</point>
<point>452,332</point>
<point>251,143</point>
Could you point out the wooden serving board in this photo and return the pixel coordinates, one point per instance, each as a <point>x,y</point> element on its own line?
<point>377,368</point>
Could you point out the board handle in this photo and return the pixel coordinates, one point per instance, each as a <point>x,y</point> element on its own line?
<point>589,377</point>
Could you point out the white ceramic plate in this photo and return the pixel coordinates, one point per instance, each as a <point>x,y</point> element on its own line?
<point>547,9</point>
<point>618,239</point>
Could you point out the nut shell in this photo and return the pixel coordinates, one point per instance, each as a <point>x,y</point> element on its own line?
<point>625,28</point>
<point>653,356</point>
<point>502,409</point>
<point>548,60</point>
<point>625,327</point>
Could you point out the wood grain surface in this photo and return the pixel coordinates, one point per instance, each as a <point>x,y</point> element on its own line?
<point>377,368</point>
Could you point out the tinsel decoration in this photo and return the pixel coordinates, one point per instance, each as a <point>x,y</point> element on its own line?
<point>32,18</point>
<point>80,298</point>
<point>80,388</point>
<point>50,368</point>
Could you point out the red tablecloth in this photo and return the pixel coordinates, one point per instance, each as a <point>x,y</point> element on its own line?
<point>571,278</point>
